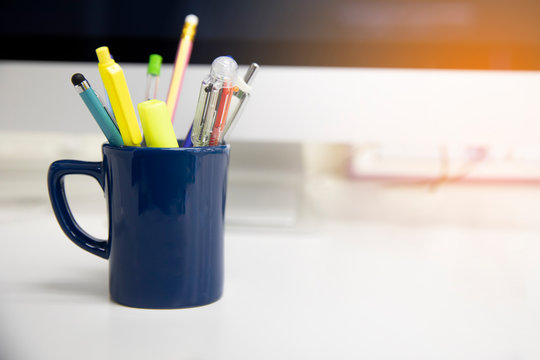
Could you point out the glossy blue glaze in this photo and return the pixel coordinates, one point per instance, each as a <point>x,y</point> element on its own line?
<point>166,222</point>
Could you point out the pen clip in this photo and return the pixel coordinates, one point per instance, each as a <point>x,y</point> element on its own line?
<point>107,110</point>
<point>211,109</point>
<point>243,87</point>
<point>205,114</point>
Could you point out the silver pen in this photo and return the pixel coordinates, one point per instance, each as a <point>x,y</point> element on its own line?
<point>240,98</point>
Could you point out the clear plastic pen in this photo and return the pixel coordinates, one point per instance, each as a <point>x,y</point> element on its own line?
<point>214,97</point>
<point>152,76</point>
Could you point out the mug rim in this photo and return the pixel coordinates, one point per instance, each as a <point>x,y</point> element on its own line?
<point>204,149</point>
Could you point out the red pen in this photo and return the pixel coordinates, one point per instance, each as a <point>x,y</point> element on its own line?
<point>224,102</point>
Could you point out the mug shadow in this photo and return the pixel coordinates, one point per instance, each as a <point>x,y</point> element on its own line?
<point>88,283</point>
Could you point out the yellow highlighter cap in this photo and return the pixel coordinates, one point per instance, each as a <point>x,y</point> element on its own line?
<point>157,126</point>
<point>103,54</point>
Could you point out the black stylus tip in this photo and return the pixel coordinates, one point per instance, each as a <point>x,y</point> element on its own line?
<point>77,78</point>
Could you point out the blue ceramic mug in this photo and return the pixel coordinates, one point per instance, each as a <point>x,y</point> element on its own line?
<point>166,221</point>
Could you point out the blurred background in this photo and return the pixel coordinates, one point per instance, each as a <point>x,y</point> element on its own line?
<point>416,92</point>
<point>383,189</point>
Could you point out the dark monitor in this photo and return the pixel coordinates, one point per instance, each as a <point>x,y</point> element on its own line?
<point>435,34</point>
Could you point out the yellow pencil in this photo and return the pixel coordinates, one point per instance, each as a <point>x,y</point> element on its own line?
<point>182,59</point>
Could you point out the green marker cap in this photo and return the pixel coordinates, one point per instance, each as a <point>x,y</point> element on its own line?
<point>154,64</point>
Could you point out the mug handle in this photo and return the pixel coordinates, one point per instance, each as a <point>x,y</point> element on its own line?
<point>57,194</point>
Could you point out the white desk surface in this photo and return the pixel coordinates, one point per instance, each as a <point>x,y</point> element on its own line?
<point>369,272</point>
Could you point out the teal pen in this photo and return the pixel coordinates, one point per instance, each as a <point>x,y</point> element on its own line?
<point>97,109</point>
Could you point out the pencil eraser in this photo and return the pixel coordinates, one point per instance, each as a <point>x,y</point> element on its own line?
<point>192,19</point>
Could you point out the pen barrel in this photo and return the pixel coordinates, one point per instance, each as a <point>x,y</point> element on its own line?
<point>152,82</point>
<point>221,114</point>
<point>205,114</point>
<point>107,106</point>
<point>238,104</point>
<point>239,100</point>
<point>102,118</point>
<point>213,104</point>
<point>117,89</point>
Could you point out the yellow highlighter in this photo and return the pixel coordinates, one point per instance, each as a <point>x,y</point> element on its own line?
<point>117,89</point>
<point>157,126</point>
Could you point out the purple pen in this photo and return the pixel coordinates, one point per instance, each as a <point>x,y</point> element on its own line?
<point>187,140</point>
